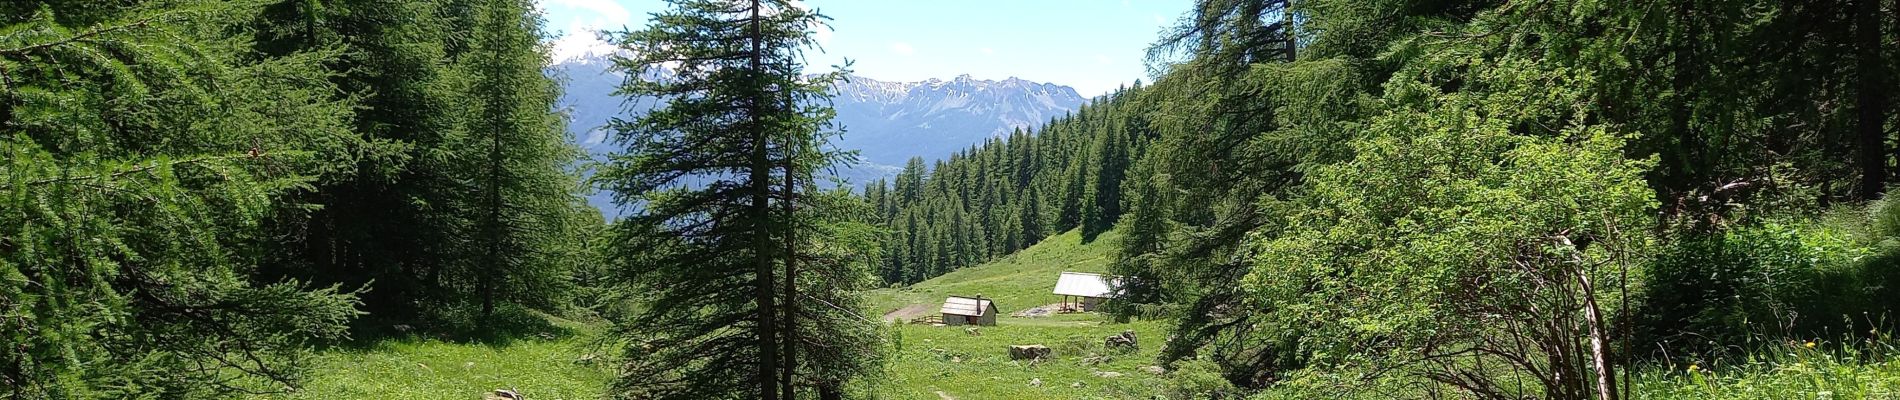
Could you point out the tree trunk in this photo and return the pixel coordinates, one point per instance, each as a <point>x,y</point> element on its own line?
<point>1681,161</point>
<point>761,217</point>
<point>1292,36</point>
<point>493,259</point>
<point>829,391</point>
<point>791,267</point>
<point>1599,345</point>
<point>1870,100</point>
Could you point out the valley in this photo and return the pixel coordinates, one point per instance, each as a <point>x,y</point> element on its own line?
<point>886,123</point>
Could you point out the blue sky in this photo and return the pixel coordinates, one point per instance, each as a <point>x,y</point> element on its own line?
<point>1092,45</point>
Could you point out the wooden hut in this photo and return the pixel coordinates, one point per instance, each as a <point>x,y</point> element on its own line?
<point>959,310</point>
<point>1083,291</point>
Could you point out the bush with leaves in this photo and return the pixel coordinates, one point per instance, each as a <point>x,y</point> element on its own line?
<point>1479,239</point>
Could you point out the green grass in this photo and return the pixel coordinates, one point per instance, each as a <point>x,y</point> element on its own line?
<point>929,360</point>
<point>934,362</point>
<point>1867,369</point>
<point>925,360</point>
<point>1017,281</point>
<point>538,366</point>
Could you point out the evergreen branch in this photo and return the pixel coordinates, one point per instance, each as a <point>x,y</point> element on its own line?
<point>854,314</point>
<point>121,174</point>
<point>82,36</point>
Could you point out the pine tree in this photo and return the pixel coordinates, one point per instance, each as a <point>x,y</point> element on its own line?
<point>1102,202</point>
<point>838,343</point>
<point>388,218</point>
<point>513,155</point>
<point>458,200</point>
<point>707,238</point>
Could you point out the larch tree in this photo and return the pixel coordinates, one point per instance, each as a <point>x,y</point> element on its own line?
<point>709,175</point>
<point>141,148</point>
<point>460,187</point>
<point>512,155</point>
<point>386,220</point>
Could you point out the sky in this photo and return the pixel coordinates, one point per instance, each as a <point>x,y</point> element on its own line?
<point>1094,46</point>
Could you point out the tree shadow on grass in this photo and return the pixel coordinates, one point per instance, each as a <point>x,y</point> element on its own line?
<point>461,325</point>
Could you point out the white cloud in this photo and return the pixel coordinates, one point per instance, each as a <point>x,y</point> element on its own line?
<point>987,51</point>
<point>902,48</point>
<point>1159,20</point>
<point>1102,59</point>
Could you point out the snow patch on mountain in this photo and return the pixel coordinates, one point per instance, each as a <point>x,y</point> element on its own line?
<point>887,122</point>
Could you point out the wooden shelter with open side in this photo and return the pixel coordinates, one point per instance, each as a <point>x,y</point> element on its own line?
<point>1083,291</point>
<point>959,310</point>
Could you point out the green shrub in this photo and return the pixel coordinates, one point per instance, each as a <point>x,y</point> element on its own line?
<point>1200,379</point>
<point>1809,277</point>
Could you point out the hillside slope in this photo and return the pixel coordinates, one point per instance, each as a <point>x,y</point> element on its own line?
<point>1015,282</point>
<point>946,362</point>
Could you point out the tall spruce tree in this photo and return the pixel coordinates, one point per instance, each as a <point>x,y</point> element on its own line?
<point>512,159</point>
<point>706,238</point>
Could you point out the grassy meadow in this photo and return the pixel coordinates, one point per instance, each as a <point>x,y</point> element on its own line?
<point>547,365</point>
<point>945,362</point>
<point>1015,282</point>
<point>948,363</point>
<point>936,363</point>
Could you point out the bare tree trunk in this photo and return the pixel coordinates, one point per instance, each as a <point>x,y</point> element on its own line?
<point>761,217</point>
<point>791,267</point>
<point>1599,346</point>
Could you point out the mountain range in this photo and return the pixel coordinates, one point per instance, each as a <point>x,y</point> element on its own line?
<point>887,122</point>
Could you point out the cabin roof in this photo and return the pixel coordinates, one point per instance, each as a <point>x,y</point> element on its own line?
<point>1086,284</point>
<point>966,306</point>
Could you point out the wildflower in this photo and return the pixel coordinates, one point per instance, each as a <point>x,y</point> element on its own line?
<point>1810,344</point>
<point>1694,368</point>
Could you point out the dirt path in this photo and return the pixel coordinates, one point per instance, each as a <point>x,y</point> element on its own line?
<point>907,313</point>
<point>1039,311</point>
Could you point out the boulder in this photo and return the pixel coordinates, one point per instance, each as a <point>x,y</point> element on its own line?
<point>504,394</point>
<point>1029,352</point>
<point>1154,369</point>
<point>1124,341</point>
<point>1035,382</point>
<point>1108,374</point>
